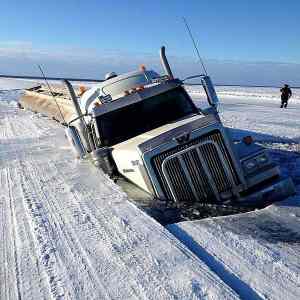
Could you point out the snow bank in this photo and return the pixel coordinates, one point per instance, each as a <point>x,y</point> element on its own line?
<point>256,253</point>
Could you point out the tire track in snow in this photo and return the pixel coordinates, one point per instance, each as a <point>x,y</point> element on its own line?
<point>13,218</point>
<point>106,230</point>
<point>28,279</point>
<point>38,223</point>
<point>46,249</point>
<point>13,130</point>
<point>77,216</point>
<point>111,225</point>
<point>28,282</point>
<point>59,247</point>
<point>10,271</point>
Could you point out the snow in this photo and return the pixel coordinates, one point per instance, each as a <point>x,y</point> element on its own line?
<point>16,84</point>
<point>68,232</point>
<point>257,111</point>
<point>256,253</point>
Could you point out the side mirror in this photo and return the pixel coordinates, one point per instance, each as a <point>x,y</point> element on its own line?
<point>193,77</point>
<point>208,86</point>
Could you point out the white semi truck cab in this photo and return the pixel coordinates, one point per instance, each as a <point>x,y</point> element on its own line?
<point>145,127</point>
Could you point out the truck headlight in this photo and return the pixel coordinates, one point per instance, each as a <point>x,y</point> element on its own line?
<point>262,159</point>
<point>255,162</point>
<point>250,164</point>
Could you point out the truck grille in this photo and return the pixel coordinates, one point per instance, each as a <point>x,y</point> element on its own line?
<point>199,170</point>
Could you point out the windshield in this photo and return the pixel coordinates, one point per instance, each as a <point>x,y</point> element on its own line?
<point>127,122</point>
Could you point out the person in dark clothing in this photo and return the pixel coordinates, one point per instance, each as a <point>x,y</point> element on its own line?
<point>286,94</point>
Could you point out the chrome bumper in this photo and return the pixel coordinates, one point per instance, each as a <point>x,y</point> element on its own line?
<point>264,175</point>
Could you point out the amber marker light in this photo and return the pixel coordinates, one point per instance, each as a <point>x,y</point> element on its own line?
<point>82,89</point>
<point>142,68</point>
<point>140,88</point>
<point>248,140</point>
<point>132,90</point>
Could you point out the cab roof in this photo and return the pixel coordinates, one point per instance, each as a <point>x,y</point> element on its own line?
<point>116,86</point>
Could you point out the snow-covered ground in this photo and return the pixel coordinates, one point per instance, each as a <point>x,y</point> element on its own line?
<point>256,110</point>
<point>257,253</point>
<point>16,84</point>
<point>67,232</point>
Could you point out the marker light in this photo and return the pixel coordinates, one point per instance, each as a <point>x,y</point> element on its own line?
<point>132,90</point>
<point>262,159</point>
<point>248,140</point>
<point>82,89</point>
<point>250,164</point>
<point>142,68</point>
<point>140,88</point>
<point>256,162</point>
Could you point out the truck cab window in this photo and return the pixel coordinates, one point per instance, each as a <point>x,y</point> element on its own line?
<point>153,112</point>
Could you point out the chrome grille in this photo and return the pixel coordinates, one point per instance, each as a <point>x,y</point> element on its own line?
<point>199,170</point>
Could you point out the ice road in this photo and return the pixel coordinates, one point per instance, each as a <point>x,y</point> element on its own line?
<point>67,232</point>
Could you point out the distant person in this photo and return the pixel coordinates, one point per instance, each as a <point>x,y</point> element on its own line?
<point>286,94</point>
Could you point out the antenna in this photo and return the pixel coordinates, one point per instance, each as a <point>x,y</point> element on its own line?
<point>194,43</point>
<point>51,92</point>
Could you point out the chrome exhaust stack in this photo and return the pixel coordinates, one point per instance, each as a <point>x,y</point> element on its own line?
<point>165,63</point>
<point>80,124</point>
<point>74,99</point>
<point>209,88</point>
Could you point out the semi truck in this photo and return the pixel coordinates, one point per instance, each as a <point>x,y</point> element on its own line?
<point>143,129</point>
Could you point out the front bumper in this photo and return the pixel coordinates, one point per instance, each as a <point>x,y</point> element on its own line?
<point>269,193</point>
<point>263,175</point>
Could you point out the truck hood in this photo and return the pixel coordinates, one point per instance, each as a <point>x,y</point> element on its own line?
<point>127,155</point>
<point>137,140</point>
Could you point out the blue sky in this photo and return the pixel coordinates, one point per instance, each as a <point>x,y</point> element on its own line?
<point>74,32</point>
